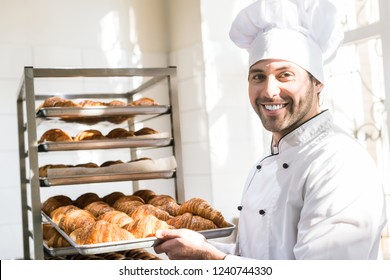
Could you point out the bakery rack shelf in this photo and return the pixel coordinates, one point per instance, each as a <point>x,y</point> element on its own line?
<point>30,117</point>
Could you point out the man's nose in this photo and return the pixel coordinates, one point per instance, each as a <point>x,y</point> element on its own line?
<point>272,87</point>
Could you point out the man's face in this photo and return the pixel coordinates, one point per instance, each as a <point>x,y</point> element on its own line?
<point>283,95</point>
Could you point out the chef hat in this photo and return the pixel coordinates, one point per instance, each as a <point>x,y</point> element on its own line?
<point>305,32</point>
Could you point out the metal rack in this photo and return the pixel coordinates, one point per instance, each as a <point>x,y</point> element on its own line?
<point>29,120</point>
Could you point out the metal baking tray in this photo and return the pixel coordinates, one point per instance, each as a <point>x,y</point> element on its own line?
<point>101,111</point>
<point>121,245</point>
<point>101,178</point>
<point>131,142</point>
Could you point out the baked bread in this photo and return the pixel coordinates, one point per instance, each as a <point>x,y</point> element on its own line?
<point>99,232</point>
<point>144,101</point>
<point>43,170</point>
<point>148,209</point>
<point>98,208</point>
<point>145,131</point>
<point>166,203</point>
<point>145,194</point>
<point>119,133</point>
<point>70,217</point>
<point>83,200</point>
<point>55,135</point>
<point>91,103</point>
<point>116,217</point>
<point>127,206</point>
<point>112,197</point>
<point>116,103</point>
<point>190,221</point>
<point>201,207</point>
<point>90,134</point>
<point>111,162</point>
<point>146,226</point>
<point>55,202</point>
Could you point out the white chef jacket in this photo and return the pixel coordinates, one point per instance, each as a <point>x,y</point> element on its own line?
<point>318,197</point>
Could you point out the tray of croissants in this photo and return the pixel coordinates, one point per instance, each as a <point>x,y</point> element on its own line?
<point>109,171</point>
<point>56,139</point>
<point>94,111</point>
<point>92,224</point>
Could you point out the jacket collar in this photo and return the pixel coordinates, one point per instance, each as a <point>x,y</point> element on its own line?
<point>307,131</point>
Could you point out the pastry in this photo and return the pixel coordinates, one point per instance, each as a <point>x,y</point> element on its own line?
<point>145,194</point>
<point>112,197</point>
<point>55,202</point>
<point>99,232</point>
<point>116,217</point>
<point>90,134</point>
<point>201,207</point>
<point>144,101</point>
<point>190,221</point>
<point>55,135</point>
<point>145,131</point>
<point>166,203</point>
<point>98,208</point>
<point>85,199</point>
<point>146,226</point>
<point>119,133</point>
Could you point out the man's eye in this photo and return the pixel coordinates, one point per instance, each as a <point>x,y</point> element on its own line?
<point>257,77</point>
<point>286,75</point>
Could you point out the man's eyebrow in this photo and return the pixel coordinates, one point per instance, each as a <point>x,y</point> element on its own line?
<point>257,70</point>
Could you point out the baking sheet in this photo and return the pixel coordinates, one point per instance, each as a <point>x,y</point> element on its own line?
<point>131,142</point>
<point>101,111</point>
<point>121,245</point>
<point>102,178</point>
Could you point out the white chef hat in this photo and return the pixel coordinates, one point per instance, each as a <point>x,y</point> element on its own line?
<point>305,32</point>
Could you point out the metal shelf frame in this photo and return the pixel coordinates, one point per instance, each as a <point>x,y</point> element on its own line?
<point>27,135</point>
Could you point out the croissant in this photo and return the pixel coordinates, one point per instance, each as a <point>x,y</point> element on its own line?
<point>127,206</point>
<point>55,135</point>
<point>98,208</point>
<point>130,198</point>
<point>146,226</point>
<point>145,131</point>
<point>166,203</point>
<point>201,207</point>
<point>57,241</point>
<point>85,199</point>
<point>100,232</point>
<point>116,103</point>
<point>146,194</point>
<point>111,162</point>
<point>54,202</point>
<point>144,101</point>
<point>190,221</point>
<point>120,133</point>
<point>116,217</point>
<point>70,218</point>
<point>91,103</point>
<point>51,102</point>
<point>112,197</point>
<point>88,164</point>
<point>43,170</point>
<point>90,134</point>
<point>148,209</point>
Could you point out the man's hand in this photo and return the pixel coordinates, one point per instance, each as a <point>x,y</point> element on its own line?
<point>184,244</point>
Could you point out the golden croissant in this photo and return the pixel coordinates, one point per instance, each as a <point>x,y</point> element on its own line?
<point>201,207</point>
<point>70,217</point>
<point>166,203</point>
<point>100,232</point>
<point>148,209</point>
<point>118,218</point>
<point>146,226</point>
<point>98,208</point>
<point>190,221</point>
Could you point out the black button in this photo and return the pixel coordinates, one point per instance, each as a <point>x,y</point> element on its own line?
<point>258,167</point>
<point>262,212</point>
<point>239,208</point>
<point>285,165</point>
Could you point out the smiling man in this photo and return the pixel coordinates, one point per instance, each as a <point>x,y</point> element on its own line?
<point>316,193</point>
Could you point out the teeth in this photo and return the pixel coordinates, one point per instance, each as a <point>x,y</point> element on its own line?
<point>273,107</point>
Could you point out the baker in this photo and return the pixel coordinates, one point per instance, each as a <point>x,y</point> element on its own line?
<point>316,193</point>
